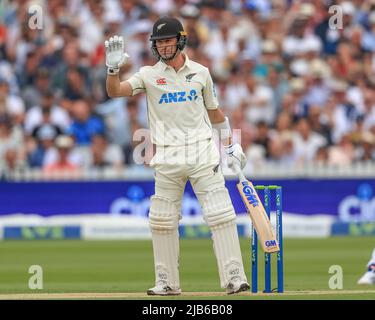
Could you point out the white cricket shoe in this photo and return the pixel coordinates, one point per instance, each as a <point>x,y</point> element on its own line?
<point>236,286</point>
<point>369,276</point>
<point>162,289</point>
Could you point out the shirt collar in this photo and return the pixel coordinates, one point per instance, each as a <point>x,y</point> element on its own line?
<point>187,63</point>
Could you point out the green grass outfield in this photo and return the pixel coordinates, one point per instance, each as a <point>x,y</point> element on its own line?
<point>124,269</point>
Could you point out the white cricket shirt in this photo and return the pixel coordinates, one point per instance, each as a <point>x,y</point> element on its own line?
<point>177,102</point>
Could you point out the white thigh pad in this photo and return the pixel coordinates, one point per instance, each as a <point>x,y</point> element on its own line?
<point>217,207</point>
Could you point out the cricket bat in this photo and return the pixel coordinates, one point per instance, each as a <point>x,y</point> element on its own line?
<point>257,213</point>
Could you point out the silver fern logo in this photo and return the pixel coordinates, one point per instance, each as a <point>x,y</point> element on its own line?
<point>189,77</point>
<point>160,26</point>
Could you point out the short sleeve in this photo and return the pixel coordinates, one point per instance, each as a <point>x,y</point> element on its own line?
<point>209,94</point>
<point>137,83</point>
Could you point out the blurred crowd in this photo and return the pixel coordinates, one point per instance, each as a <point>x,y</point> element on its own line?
<point>296,80</point>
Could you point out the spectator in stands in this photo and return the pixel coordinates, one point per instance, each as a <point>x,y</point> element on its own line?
<point>32,94</point>
<point>246,28</point>
<point>281,150</point>
<point>43,136</point>
<point>64,77</point>
<point>75,87</point>
<point>270,58</point>
<point>366,150</point>
<point>298,36</point>
<point>262,137</point>
<point>369,108</point>
<point>24,40</point>
<point>198,33</point>
<point>64,32</point>
<point>344,113</point>
<point>46,111</point>
<point>298,105</point>
<point>114,114</point>
<point>306,142</point>
<point>279,86</point>
<point>139,41</point>
<point>92,25</point>
<point>12,149</point>
<point>283,125</point>
<point>104,155</point>
<point>260,102</point>
<point>85,124</point>
<point>318,91</point>
<point>238,121</point>
<point>321,156</point>
<point>132,11</point>
<point>62,162</point>
<point>118,120</point>
<point>357,133</point>
<point>345,63</point>
<point>319,123</point>
<point>222,47</point>
<point>255,153</point>
<point>3,31</point>
<point>342,154</point>
<point>28,74</point>
<point>11,104</point>
<point>368,38</point>
<point>235,90</point>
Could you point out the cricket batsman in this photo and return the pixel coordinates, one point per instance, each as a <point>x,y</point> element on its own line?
<point>369,276</point>
<point>182,111</point>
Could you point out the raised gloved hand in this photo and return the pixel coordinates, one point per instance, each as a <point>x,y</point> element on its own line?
<point>236,157</point>
<point>115,57</point>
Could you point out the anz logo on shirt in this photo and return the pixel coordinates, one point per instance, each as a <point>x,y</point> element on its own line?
<point>181,96</point>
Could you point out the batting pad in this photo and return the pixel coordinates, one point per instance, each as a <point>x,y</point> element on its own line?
<point>228,253</point>
<point>164,215</point>
<point>163,221</point>
<point>220,216</point>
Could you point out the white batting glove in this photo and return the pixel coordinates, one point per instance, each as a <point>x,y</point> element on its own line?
<point>115,57</point>
<point>236,157</point>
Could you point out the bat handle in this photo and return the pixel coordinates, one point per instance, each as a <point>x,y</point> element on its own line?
<point>239,172</point>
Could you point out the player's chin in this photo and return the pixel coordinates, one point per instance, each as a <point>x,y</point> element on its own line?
<point>167,56</point>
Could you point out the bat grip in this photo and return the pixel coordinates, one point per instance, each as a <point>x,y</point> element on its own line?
<point>239,173</point>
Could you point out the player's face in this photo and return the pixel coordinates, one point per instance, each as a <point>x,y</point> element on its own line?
<point>166,47</point>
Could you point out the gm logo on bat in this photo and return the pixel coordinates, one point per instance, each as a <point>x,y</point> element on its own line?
<point>270,243</point>
<point>250,194</point>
